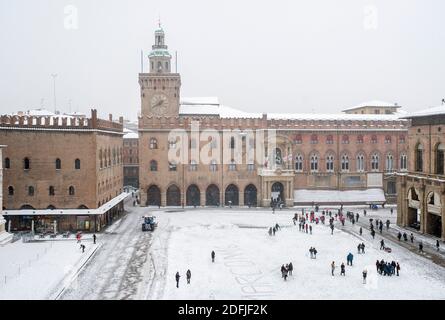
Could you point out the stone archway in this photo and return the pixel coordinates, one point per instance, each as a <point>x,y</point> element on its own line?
<point>173,196</point>
<point>231,195</point>
<point>277,191</point>
<point>153,196</point>
<point>193,196</point>
<point>212,196</point>
<point>250,196</point>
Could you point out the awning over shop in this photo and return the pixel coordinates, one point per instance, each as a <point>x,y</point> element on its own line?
<point>62,212</point>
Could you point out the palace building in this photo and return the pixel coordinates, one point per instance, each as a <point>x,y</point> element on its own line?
<point>421,196</point>
<point>351,153</point>
<point>61,172</point>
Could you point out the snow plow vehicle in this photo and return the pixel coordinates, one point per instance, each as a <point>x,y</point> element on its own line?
<point>149,223</point>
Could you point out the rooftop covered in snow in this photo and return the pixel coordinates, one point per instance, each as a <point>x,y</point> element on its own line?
<point>374,104</point>
<point>434,111</point>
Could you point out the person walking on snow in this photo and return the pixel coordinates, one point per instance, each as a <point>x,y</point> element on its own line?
<point>360,231</point>
<point>315,253</point>
<point>437,245</point>
<point>373,234</point>
<point>405,236</point>
<point>189,276</point>
<point>177,279</point>
<point>310,229</point>
<point>349,259</point>
<point>387,224</point>
<point>397,268</point>
<point>420,247</point>
<point>342,269</point>
<point>332,268</point>
<point>365,273</point>
<point>399,236</point>
<point>213,256</point>
<point>290,268</point>
<point>411,238</point>
<point>332,229</point>
<point>94,238</point>
<point>382,244</point>
<point>363,247</point>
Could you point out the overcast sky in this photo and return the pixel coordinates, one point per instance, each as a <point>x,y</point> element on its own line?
<point>259,56</point>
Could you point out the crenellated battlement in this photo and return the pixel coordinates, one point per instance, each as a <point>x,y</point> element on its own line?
<point>61,122</point>
<point>217,123</point>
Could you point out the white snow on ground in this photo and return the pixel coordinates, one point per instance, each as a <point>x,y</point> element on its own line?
<point>37,270</point>
<point>248,260</point>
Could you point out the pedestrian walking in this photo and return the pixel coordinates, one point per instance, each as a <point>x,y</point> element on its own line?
<point>349,259</point>
<point>411,238</point>
<point>332,229</point>
<point>332,268</point>
<point>363,247</point>
<point>420,247</point>
<point>94,238</point>
<point>343,269</point>
<point>213,255</point>
<point>82,246</point>
<point>365,274</point>
<point>437,245</point>
<point>399,236</point>
<point>382,244</point>
<point>310,229</point>
<point>405,236</point>
<point>373,234</point>
<point>189,276</point>
<point>290,268</point>
<point>397,268</point>
<point>177,276</point>
<point>361,231</point>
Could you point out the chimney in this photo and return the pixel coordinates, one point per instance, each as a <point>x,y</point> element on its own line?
<point>94,118</point>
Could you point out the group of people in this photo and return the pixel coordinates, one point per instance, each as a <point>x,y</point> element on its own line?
<point>387,268</point>
<point>274,229</point>
<point>286,270</point>
<point>178,276</point>
<point>313,253</point>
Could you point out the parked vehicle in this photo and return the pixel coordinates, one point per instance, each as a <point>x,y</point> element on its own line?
<point>149,223</point>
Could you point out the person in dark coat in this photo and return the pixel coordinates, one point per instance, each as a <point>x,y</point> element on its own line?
<point>359,248</point>
<point>94,238</point>
<point>290,268</point>
<point>332,229</point>
<point>405,236</point>
<point>189,276</point>
<point>420,247</point>
<point>411,238</point>
<point>363,247</point>
<point>397,268</point>
<point>349,259</point>
<point>315,253</point>
<point>387,224</point>
<point>373,234</point>
<point>437,245</point>
<point>177,279</point>
<point>342,269</point>
<point>213,256</point>
<point>399,236</point>
<point>382,244</point>
<point>365,274</point>
<point>361,231</point>
<point>377,264</point>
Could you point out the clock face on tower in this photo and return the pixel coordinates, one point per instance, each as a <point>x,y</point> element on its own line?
<point>159,104</point>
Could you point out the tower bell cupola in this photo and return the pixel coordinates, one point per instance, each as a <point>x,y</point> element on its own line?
<point>159,57</point>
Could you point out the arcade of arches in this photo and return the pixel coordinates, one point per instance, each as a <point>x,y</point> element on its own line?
<point>210,196</point>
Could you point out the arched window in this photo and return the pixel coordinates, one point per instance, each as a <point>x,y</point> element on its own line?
<point>51,191</point>
<point>389,162</point>
<point>213,165</point>
<point>77,164</point>
<point>402,139</point>
<point>172,166</point>
<point>344,163</point>
<point>345,139</point>
<point>153,143</point>
<point>232,165</point>
<point>403,162</point>
<point>360,139</point>
<point>298,139</point>
<point>439,159</point>
<point>232,143</point>
<point>153,165</point>
<point>58,164</point>
<point>360,163</point>
<point>7,163</point>
<point>374,139</point>
<point>30,191</point>
<point>71,191</point>
<point>314,139</point>
<point>419,158</point>
<point>387,139</point>
<point>330,163</point>
<point>26,164</point>
<point>10,191</point>
<point>299,163</point>
<point>329,139</point>
<point>314,163</point>
<point>193,165</point>
<point>375,162</point>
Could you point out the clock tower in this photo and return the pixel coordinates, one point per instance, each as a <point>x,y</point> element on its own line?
<point>160,88</point>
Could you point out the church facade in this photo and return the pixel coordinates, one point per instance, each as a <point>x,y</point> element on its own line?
<point>309,152</point>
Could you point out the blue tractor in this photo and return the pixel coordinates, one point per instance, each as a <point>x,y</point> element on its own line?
<point>149,223</point>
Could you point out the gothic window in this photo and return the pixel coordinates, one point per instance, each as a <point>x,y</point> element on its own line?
<point>345,139</point>
<point>153,143</point>
<point>329,139</point>
<point>314,139</point>
<point>298,139</point>
<point>373,138</point>
<point>403,162</point>
<point>172,166</point>
<point>330,163</point>
<point>360,139</point>
<point>314,163</point>
<point>232,165</point>
<point>344,163</point>
<point>402,139</point>
<point>360,163</point>
<point>299,163</point>
<point>387,139</point>
<point>375,162</point>
<point>389,162</point>
<point>213,166</point>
